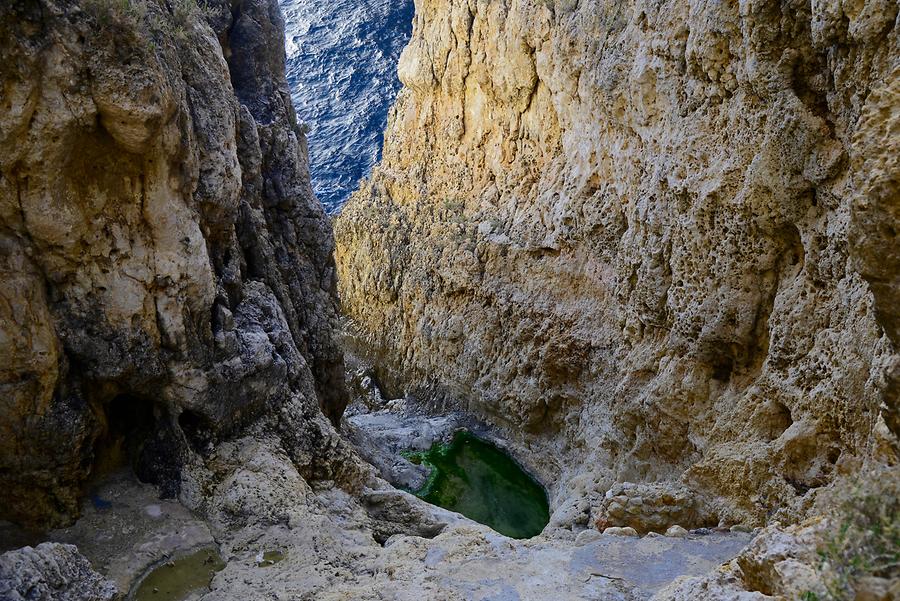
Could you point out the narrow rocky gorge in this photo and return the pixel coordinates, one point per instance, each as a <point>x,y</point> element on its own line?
<point>649,249</point>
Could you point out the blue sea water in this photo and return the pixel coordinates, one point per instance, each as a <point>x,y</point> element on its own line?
<point>342,69</point>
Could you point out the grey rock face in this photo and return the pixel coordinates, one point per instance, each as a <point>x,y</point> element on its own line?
<point>165,270</point>
<point>51,572</point>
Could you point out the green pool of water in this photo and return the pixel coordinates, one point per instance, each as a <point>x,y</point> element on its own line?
<point>176,580</point>
<point>478,480</point>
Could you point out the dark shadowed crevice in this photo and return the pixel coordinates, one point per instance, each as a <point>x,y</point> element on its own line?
<point>128,422</point>
<point>137,436</point>
<point>197,430</point>
<point>776,420</point>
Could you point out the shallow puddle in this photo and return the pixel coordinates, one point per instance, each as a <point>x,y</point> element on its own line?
<point>176,580</point>
<point>478,480</point>
<point>269,558</point>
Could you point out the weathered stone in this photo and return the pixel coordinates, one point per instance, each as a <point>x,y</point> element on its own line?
<point>644,214</point>
<point>51,572</point>
<point>165,270</point>
<point>778,564</point>
<point>587,536</point>
<point>874,217</point>
<point>396,512</point>
<point>651,507</point>
<point>676,531</point>
<point>620,531</point>
<point>621,231</point>
<point>873,588</point>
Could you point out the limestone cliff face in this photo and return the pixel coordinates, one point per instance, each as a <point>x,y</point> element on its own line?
<point>165,270</point>
<point>662,232</point>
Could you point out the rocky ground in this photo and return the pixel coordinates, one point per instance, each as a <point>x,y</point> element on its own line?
<point>647,248</point>
<point>329,541</point>
<point>378,542</point>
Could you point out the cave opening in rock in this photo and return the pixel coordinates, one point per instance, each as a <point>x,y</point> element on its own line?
<point>136,437</point>
<point>129,420</point>
<point>480,481</point>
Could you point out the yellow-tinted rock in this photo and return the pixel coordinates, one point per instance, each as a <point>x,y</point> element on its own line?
<point>623,230</point>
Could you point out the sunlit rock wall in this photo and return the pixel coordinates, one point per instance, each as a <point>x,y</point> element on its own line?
<point>622,229</point>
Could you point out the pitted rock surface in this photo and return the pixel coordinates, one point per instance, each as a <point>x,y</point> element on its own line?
<point>51,572</point>
<point>651,508</point>
<point>160,245</point>
<point>656,237</point>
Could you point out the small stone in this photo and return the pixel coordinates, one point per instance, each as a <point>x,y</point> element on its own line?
<point>620,531</point>
<point>601,524</point>
<point>586,536</point>
<point>701,531</point>
<point>676,531</point>
<point>872,588</point>
<point>155,590</point>
<point>614,508</point>
<point>740,528</point>
<point>635,501</point>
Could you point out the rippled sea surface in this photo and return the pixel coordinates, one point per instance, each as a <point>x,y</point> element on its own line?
<point>342,68</point>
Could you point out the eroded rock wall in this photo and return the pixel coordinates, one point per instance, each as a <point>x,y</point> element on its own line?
<point>623,229</point>
<point>161,251</point>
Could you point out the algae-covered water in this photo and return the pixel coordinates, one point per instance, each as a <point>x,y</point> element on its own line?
<point>478,480</point>
<point>176,580</point>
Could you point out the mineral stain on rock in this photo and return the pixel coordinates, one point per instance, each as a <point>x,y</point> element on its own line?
<point>176,580</point>
<point>478,480</point>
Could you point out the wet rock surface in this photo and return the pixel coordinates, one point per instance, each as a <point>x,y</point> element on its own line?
<point>374,543</point>
<point>125,530</point>
<point>332,551</point>
<point>382,436</point>
<point>180,578</point>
